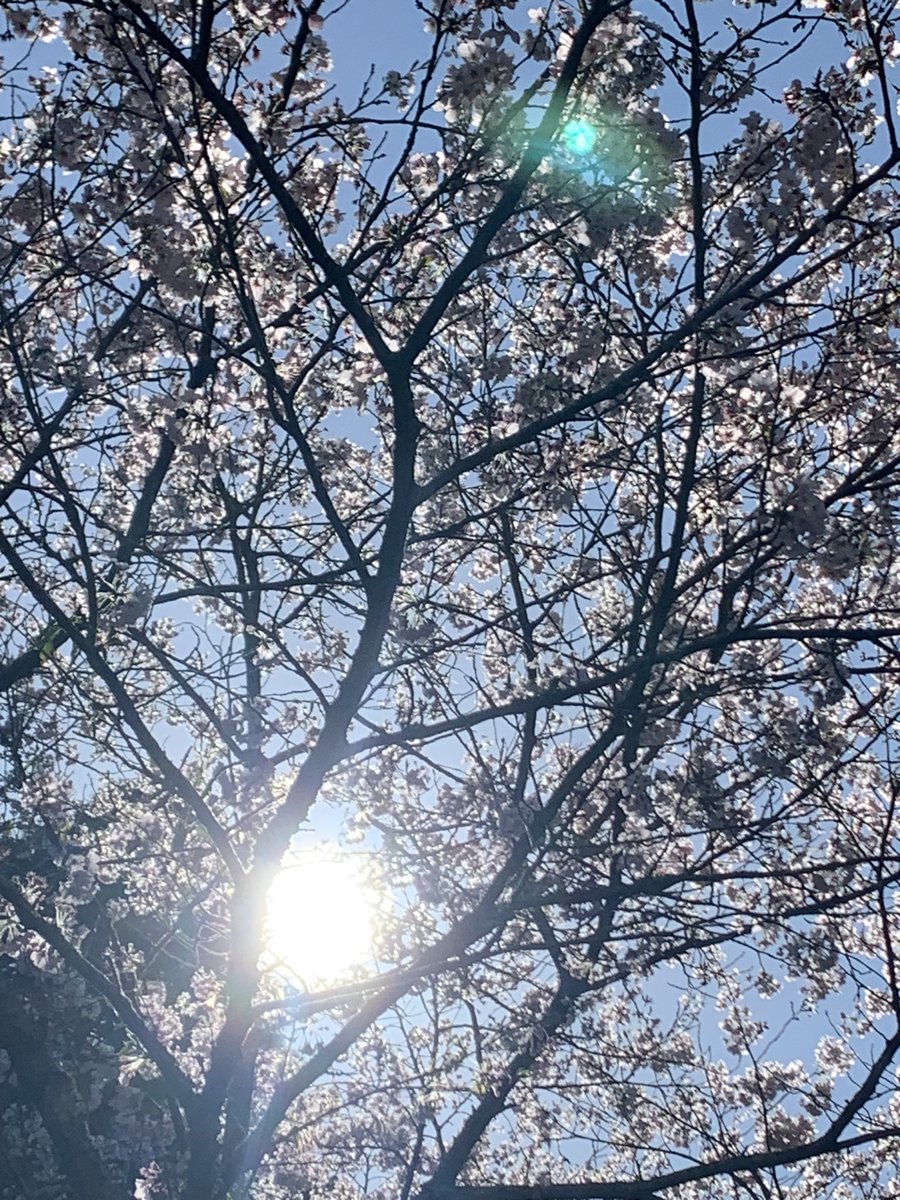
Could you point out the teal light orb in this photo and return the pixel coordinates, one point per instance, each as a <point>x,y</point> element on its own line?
<point>579,137</point>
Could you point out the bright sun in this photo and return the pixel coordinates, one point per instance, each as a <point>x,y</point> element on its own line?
<point>321,916</point>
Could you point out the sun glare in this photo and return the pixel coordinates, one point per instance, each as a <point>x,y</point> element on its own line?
<point>321,917</point>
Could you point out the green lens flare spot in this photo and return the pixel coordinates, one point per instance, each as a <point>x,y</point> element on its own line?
<point>579,137</point>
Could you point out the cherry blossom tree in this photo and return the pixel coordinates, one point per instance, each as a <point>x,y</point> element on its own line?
<point>485,466</point>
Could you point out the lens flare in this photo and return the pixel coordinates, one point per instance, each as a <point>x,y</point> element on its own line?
<point>579,137</point>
